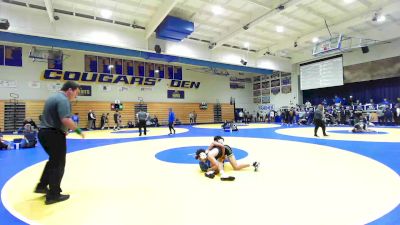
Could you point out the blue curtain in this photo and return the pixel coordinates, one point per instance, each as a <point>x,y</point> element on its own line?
<point>375,89</point>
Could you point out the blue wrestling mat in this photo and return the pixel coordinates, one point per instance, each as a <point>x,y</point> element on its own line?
<point>186,155</point>
<point>349,132</point>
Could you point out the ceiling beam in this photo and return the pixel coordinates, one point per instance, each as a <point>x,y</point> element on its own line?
<point>50,10</point>
<point>366,3</point>
<point>336,6</point>
<point>260,3</point>
<point>159,16</point>
<point>355,30</point>
<point>392,19</point>
<point>298,19</point>
<point>314,12</point>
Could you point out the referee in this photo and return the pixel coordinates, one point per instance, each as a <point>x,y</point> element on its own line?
<point>318,120</point>
<point>56,121</point>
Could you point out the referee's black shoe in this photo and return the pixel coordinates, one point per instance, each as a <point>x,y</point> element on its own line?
<point>54,199</point>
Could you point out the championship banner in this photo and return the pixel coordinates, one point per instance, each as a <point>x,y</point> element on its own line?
<point>85,90</point>
<point>176,94</point>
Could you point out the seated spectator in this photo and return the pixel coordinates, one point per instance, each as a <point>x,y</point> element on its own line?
<point>234,126</point>
<point>155,121</point>
<point>130,124</point>
<point>226,125</point>
<point>30,139</point>
<point>4,145</point>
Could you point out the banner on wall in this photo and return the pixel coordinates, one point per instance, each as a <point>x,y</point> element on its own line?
<point>146,89</point>
<point>265,107</point>
<point>58,75</point>
<point>8,84</point>
<point>176,94</point>
<point>122,89</point>
<point>105,88</point>
<point>85,90</point>
<point>34,84</point>
<point>54,87</point>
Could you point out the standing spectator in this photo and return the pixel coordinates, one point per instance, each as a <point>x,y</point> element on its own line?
<point>318,120</point>
<point>308,104</point>
<point>272,116</point>
<point>241,115</point>
<point>117,120</point>
<point>91,120</point>
<point>102,121</point>
<point>142,118</point>
<point>191,118</point>
<point>52,136</point>
<point>194,117</point>
<point>171,121</point>
<point>388,114</point>
<point>337,100</point>
<point>75,118</point>
<point>397,114</point>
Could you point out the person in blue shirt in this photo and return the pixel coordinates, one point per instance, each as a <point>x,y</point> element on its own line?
<point>338,100</point>
<point>30,139</point>
<point>75,118</point>
<point>385,102</point>
<point>171,121</point>
<point>4,144</point>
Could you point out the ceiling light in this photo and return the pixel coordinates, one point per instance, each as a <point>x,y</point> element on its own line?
<point>105,13</point>
<point>217,10</point>
<point>246,44</point>
<point>381,18</point>
<point>279,29</point>
<point>348,1</point>
<point>315,40</point>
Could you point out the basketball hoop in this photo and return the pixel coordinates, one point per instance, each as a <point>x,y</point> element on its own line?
<point>14,95</point>
<point>140,100</point>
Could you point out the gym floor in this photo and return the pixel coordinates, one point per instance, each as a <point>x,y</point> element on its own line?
<point>117,177</point>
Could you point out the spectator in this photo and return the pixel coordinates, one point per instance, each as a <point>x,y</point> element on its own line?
<point>91,120</point>
<point>171,121</point>
<point>75,118</point>
<point>191,118</point>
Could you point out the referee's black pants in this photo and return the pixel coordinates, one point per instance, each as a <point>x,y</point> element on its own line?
<point>319,123</point>
<point>142,124</point>
<point>55,145</point>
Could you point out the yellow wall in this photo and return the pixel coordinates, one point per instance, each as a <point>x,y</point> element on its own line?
<point>182,110</point>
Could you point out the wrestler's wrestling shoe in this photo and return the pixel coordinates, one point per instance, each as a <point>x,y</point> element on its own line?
<point>210,175</point>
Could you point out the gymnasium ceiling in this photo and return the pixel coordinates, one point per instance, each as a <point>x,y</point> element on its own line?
<point>302,20</point>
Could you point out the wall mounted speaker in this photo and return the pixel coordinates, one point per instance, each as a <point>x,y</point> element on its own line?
<point>157,48</point>
<point>365,49</point>
<point>4,24</point>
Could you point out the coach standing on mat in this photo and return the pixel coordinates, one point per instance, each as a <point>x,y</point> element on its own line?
<point>54,126</point>
<point>318,120</point>
<point>171,121</point>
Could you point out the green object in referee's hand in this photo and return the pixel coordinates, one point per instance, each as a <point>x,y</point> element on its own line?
<point>78,130</point>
